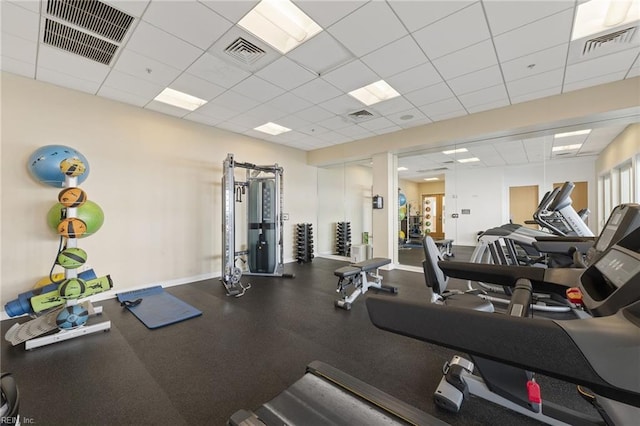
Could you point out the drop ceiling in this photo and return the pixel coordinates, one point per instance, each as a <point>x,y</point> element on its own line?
<point>445,58</point>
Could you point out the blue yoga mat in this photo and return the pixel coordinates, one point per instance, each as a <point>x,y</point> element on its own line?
<point>158,308</point>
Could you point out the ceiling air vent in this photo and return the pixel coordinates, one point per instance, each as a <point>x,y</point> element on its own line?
<point>74,41</point>
<point>363,113</point>
<point>244,51</point>
<point>439,169</point>
<point>615,38</point>
<point>95,16</point>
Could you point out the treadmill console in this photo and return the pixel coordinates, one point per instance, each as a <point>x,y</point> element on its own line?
<point>613,281</point>
<point>623,219</point>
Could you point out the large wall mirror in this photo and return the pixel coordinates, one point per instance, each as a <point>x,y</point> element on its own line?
<point>456,192</point>
<point>344,228</point>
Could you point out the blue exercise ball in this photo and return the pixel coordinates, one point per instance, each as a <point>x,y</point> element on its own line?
<point>402,199</point>
<point>44,164</point>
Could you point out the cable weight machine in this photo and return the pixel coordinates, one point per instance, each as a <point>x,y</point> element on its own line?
<point>264,255</point>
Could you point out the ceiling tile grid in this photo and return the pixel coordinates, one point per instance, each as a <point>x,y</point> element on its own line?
<point>444,58</point>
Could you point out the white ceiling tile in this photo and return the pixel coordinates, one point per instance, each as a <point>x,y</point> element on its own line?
<point>409,118</point>
<point>415,78</point>
<point>377,124</point>
<point>352,76</point>
<point>266,113</point>
<point>145,68</point>
<point>391,106</point>
<point>237,128</point>
<point>131,7</point>
<point>508,15</point>
<point>385,130</point>
<point>166,109</point>
<point>32,5</point>
<point>232,10</point>
<point>195,86</point>
<point>65,80</point>
<point>122,96</point>
<point>235,101</point>
<point>356,131</point>
<point>441,107</point>
<point>321,54</point>
<point>285,73</point>
<point>332,137</point>
<point>314,114</point>
<point>326,16</point>
<point>292,122</point>
<point>316,91</point>
<point>529,96</point>
<point>448,115</point>
<point>336,122</point>
<point>342,104</point>
<point>634,71</point>
<point>289,103</point>
<point>418,14</point>
<point>19,48</point>
<point>608,64</point>
<point>542,61</point>
<point>17,67</point>
<point>457,31</point>
<point>217,71</point>
<point>469,59</point>
<point>537,82</point>
<point>431,94</point>
<point>220,112</point>
<point>19,22</point>
<point>128,83</point>
<point>162,46</point>
<point>489,95</point>
<point>197,25</point>
<point>359,32</point>
<point>540,35</point>
<point>68,63</point>
<point>487,106</point>
<point>312,130</point>
<point>395,57</point>
<point>258,89</point>
<point>202,119</point>
<point>248,121</point>
<point>602,79</point>
<point>476,80</point>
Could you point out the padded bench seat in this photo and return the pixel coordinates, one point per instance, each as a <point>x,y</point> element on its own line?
<point>376,262</point>
<point>346,271</point>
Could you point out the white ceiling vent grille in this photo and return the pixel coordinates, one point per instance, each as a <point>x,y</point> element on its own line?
<point>439,169</point>
<point>616,38</point>
<point>244,51</point>
<point>92,15</point>
<point>74,41</point>
<point>361,116</point>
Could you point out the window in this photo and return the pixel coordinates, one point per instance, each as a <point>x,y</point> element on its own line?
<point>626,183</point>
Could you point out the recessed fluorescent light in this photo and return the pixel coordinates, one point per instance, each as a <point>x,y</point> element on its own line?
<point>402,169</point>
<point>280,23</point>
<point>431,179</point>
<point>576,133</point>
<point>272,128</point>
<point>468,160</point>
<point>454,151</point>
<point>595,16</point>
<point>566,147</point>
<point>374,93</point>
<point>179,99</point>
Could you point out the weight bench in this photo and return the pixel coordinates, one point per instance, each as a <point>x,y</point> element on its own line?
<point>358,274</point>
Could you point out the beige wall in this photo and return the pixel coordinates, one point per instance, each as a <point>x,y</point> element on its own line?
<point>435,187</point>
<point>156,177</point>
<point>624,147</point>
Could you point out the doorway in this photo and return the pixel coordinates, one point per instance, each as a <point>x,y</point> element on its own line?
<point>523,202</point>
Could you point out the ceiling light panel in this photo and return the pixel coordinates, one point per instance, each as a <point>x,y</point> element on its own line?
<point>566,147</point>
<point>468,160</point>
<point>596,16</point>
<point>180,99</point>
<point>374,93</point>
<point>576,133</point>
<point>272,129</point>
<point>280,23</point>
<point>455,151</point>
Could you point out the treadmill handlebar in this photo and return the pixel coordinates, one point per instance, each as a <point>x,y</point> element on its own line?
<point>505,275</point>
<point>539,345</point>
<point>563,197</point>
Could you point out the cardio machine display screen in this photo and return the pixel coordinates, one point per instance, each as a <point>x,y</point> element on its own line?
<point>609,232</point>
<point>618,267</point>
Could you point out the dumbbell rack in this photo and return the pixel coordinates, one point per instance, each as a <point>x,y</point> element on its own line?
<point>343,237</point>
<point>304,242</point>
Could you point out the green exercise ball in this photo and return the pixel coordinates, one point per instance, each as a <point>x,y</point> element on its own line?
<point>90,213</point>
